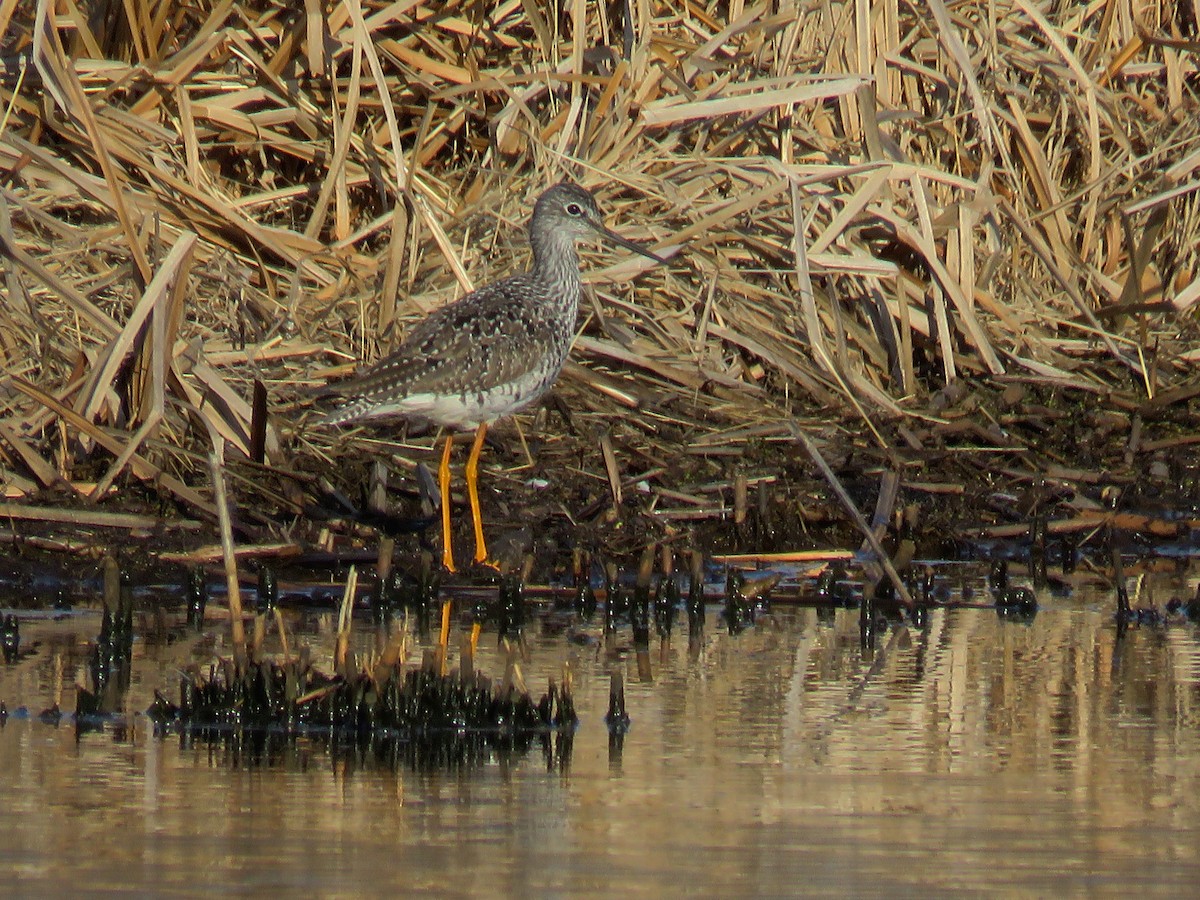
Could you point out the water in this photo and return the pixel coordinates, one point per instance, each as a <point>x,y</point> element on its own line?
<point>976,755</point>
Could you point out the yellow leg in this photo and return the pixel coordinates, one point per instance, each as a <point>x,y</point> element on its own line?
<point>444,485</point>
<point>472,473</point>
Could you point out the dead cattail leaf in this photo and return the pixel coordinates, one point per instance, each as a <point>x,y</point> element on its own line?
<point>862,203</point>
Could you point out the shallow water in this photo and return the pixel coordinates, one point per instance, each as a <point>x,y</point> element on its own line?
<point>973,755</point>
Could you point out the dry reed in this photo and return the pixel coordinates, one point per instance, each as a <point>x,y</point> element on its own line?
<point>865,204</point>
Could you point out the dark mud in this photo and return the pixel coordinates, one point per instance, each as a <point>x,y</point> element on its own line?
<point>997,461</point>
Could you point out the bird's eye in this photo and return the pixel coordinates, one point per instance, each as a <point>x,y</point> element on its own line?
<point>574,209</point>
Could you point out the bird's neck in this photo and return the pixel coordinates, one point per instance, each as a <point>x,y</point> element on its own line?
<point>555,260</point>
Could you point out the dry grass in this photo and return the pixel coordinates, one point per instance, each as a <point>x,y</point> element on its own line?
<point>863,204</point>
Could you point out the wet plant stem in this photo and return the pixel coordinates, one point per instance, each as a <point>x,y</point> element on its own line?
<point>855,516</point>
<point>237,628</point>
<point>345,624</point>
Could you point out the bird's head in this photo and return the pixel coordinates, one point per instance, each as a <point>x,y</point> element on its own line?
<point>567,208</point>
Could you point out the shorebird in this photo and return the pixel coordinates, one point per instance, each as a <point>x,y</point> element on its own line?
<point>490,353</point>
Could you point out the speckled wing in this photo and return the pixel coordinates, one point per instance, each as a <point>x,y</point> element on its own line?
<point>494,348</point>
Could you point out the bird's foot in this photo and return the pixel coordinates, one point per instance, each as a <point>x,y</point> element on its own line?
<point>482,559</point>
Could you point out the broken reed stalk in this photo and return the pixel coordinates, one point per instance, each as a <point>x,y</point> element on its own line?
<point>855,516</point>
<point>513,677</point>
<point>258,637</point>
<point>237,628</point>
<point>383,563</point>
<point>341,650</point>
<point>283,641</point>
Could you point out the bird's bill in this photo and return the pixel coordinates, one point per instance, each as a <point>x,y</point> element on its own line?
<point>628,244</point>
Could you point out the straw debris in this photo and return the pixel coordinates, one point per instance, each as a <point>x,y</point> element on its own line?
<point>882,219</point>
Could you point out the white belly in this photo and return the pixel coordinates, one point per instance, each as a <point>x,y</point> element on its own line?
<point>466,411</point>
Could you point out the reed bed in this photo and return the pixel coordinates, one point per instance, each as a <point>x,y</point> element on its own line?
<point>917,229</point>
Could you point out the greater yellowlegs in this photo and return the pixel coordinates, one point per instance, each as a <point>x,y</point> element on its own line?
<point>492,352</point>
